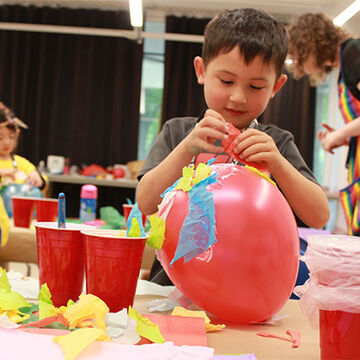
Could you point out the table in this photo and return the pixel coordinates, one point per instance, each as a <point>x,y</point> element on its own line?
<point>242,339</point>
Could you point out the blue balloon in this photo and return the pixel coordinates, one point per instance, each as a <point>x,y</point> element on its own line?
<point>11,190</point>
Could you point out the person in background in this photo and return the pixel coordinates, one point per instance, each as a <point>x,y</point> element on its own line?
<point>13,168</point>
<point>241,70</point>
<point>317,47</point>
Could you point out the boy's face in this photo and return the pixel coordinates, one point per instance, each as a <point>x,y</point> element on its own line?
<point>237,91</point>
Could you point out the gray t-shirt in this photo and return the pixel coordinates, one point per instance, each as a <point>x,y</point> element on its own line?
<point>176,129</point>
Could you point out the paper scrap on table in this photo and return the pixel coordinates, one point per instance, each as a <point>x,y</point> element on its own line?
<point>42,347</point>
<point>160,305</point>
<point>77,341</point>
<point>145,287</point>
<point>26,286</point>
<point>179,311</point>
<point>88,310</point>
<point>46,306</point>
<point>145,327</point>
<point>11,301</point>
<point>130,335</point>
<point>6,323</point>
<point>116,323</point>
<point>294,337</point>
<point>181,330</point>
<point>121,328</point>
<point>176,298</point>
<point>45,322</point>
<point>29,287</point>
<point>46,331</point>
<point>235,357</point>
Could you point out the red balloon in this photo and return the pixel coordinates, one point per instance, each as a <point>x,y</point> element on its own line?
<point>250,272</point>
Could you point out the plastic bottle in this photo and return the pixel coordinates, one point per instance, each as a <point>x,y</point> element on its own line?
<point>88,200</point>
<point>66,167</point>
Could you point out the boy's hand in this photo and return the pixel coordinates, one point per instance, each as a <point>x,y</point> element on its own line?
<point>34,179</point>
<point>203,136</point>
<point>256,146</point>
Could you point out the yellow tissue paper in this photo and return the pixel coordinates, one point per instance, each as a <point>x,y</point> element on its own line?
<point>46,306</point>
<point>135,228</point>
<point>256,171</point>
<point>11,301</point>
<point>202,172</point>
<point>185,183</point>
<point>44,294</point>
<point>75,342</point>
<point>15,316</point>
<point>145,327</point>
<point>4,281</point>
<point>191,177</point>
<point>157,232</point>
<point>46,310</point>
<point>188,171</point>
<point>180,311</point>
<point>89,310</point>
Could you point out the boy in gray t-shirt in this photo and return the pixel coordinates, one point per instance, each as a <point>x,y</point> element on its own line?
<point>241,70</point>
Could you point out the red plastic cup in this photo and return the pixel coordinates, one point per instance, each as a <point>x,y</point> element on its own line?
<point>46,209</point>
<point>339,335</point>
<point>61,260</point>
<point>23,209</point>
<point>127,209</point>
<point>112,266</point>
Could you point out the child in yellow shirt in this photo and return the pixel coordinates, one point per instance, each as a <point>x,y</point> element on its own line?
<point>13,168</point>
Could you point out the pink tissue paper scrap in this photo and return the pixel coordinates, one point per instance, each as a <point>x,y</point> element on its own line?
<point>235,357</point>
<point>36,347</point>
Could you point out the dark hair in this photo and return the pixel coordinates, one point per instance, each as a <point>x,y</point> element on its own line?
<point>314,34</point>
<point>5,115</point>
<point>253,31</point>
